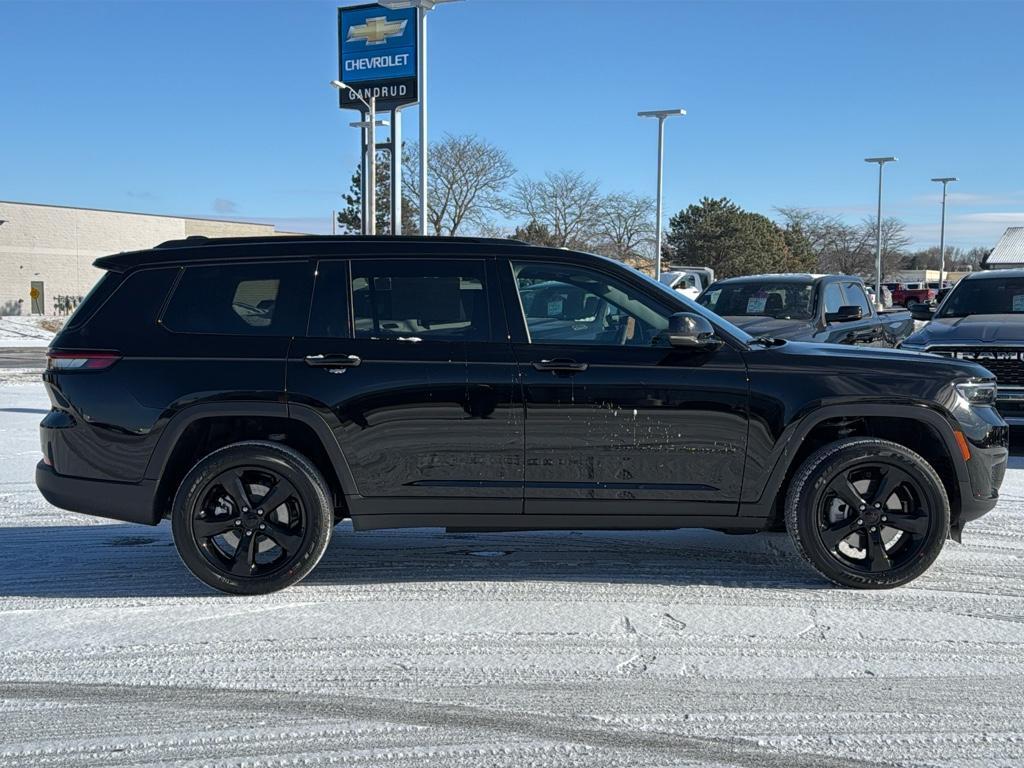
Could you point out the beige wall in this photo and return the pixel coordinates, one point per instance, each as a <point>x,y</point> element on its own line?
<point>57,246</point>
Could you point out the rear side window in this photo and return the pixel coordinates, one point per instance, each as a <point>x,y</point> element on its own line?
<point>431,300</point>
<point>241,299</point>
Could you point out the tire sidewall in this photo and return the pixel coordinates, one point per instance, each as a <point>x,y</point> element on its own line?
<point>289,464</point>
<point>821,468</point>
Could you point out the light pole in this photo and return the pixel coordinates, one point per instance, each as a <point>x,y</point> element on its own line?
<point>370,158</point>
<point>662,115</point>
<point>942,229</point>
<point>878,236</point>
<point>422,7</point>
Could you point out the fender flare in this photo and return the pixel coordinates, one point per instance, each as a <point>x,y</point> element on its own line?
<point>172,431</point>
<point>794,435</point>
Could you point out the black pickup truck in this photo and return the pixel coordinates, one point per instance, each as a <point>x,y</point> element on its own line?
<point>981,319</point>
<point>803,307</point>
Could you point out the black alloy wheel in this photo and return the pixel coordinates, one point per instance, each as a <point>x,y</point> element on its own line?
<point>249,521</point>
<point>252,517</point>
<point>868,513</point>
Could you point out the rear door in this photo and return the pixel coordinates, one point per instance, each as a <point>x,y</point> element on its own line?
<point>386,361</point>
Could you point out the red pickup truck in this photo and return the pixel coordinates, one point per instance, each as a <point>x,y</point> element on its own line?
<point>912,293</point>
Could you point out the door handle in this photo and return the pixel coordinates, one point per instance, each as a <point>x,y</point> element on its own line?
<point>333,361</point>
<point>560,365</point>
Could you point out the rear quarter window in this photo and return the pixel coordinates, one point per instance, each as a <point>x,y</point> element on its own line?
<point>264,299</point>
<point>127,315</point>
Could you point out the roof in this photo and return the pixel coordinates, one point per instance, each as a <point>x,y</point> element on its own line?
<point>994,274</point>
<point>788,277</point>
<point>277,247</point>
<point>1009,249</point>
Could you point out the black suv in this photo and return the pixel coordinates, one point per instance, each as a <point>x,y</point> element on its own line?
<point>257,391</point>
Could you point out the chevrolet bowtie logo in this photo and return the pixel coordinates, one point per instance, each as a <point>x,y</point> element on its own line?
<point>376,30</point>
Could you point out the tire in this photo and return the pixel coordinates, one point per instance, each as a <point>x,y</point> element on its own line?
<point>841,524</point>
<point>226,537</point>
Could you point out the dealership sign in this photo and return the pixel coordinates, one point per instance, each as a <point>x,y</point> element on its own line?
<point>377,51</point>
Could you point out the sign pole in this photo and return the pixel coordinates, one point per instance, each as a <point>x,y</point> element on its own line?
<point>371,213</point>
<point>422,88</point>
<point>363,174</point>
<point>396,171</point>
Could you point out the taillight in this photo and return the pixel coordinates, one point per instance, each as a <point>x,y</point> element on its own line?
<point>80,359</point>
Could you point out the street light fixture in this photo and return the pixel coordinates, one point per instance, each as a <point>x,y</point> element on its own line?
<point>878,235</point>
<point>370,177</point>
<point>422,7</point>
<point>944,180</point>
<point>662,115</point>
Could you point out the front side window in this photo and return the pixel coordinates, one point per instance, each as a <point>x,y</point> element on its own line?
<point>783,300</point>
<point>855,297</point>
<point>833,298</point>
<point>431,300</point>
<point>568,304</point>
<point>241,299</point>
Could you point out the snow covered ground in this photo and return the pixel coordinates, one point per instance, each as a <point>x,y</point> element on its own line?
<point>564,649</point>
<point>27,331</point>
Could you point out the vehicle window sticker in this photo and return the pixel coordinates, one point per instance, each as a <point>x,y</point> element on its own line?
<point>756,304</point>
<point>1018,302</point>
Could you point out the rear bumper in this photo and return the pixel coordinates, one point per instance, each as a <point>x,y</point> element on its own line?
<point>131,502</point>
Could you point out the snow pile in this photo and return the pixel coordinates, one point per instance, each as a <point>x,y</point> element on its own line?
<point>28,331</point>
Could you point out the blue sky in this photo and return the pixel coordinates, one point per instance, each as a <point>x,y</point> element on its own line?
<point>223,108</point>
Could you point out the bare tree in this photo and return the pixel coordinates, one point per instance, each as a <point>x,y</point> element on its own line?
<point>824,232</point>
<point>895,241</point>
<point>566,203</point>
<point>467,174</point>
<point>626,230</point>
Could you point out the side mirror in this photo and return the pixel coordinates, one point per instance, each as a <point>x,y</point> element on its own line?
<point>844,315</point>
<point>921,312</point>
<point>688,329</point>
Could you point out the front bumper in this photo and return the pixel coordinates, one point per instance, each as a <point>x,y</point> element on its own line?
<point>987,437</point>
<point>130,502</point>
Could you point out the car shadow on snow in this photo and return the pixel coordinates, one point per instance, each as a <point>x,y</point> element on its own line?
<point>116,560</point>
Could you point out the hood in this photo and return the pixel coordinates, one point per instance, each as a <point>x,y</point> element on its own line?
<point>897,363</point>
<point>980,329</point>
<point>764,325</point>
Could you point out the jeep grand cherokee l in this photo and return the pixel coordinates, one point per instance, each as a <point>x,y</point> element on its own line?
<point>257,391</point>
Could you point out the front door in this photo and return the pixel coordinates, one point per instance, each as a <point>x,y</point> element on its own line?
<point>614,413</point>
<point>387,361</point>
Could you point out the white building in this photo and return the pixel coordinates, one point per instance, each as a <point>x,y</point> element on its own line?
<point>46,251</point>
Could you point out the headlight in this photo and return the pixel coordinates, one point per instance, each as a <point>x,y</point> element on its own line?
<point>978,393</point>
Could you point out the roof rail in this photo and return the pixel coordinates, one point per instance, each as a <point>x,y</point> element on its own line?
<point>203,240</point>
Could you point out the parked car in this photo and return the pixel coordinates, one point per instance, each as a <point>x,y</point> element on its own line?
<point>687,283</point>
<point>801,307</point>
<point>408,382</point>
<point>913,293</point>
<point>981,319</point>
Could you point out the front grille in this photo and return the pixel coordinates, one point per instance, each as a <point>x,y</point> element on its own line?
<point>1006,363</point>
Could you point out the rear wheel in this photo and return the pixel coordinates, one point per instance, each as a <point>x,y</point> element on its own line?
<point>868,513</point>
<point>252,517</point>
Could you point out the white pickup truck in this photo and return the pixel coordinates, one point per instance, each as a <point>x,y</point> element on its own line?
<point>689,281</point>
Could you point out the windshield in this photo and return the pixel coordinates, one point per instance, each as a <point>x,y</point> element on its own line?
<point>691,306</point>
<point>783,300</point>
<point>985,296</point>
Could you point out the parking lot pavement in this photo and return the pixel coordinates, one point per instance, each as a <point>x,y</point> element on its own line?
<point>567,649</point>
<point>23,357</point>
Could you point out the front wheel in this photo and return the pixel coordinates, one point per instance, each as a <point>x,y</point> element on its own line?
<point>252,518</point>
<point>868,513</point>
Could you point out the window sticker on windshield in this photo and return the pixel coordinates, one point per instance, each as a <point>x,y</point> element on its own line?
<point>755,304</point>
<point>1018,302</point>
<point>555,307</point>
